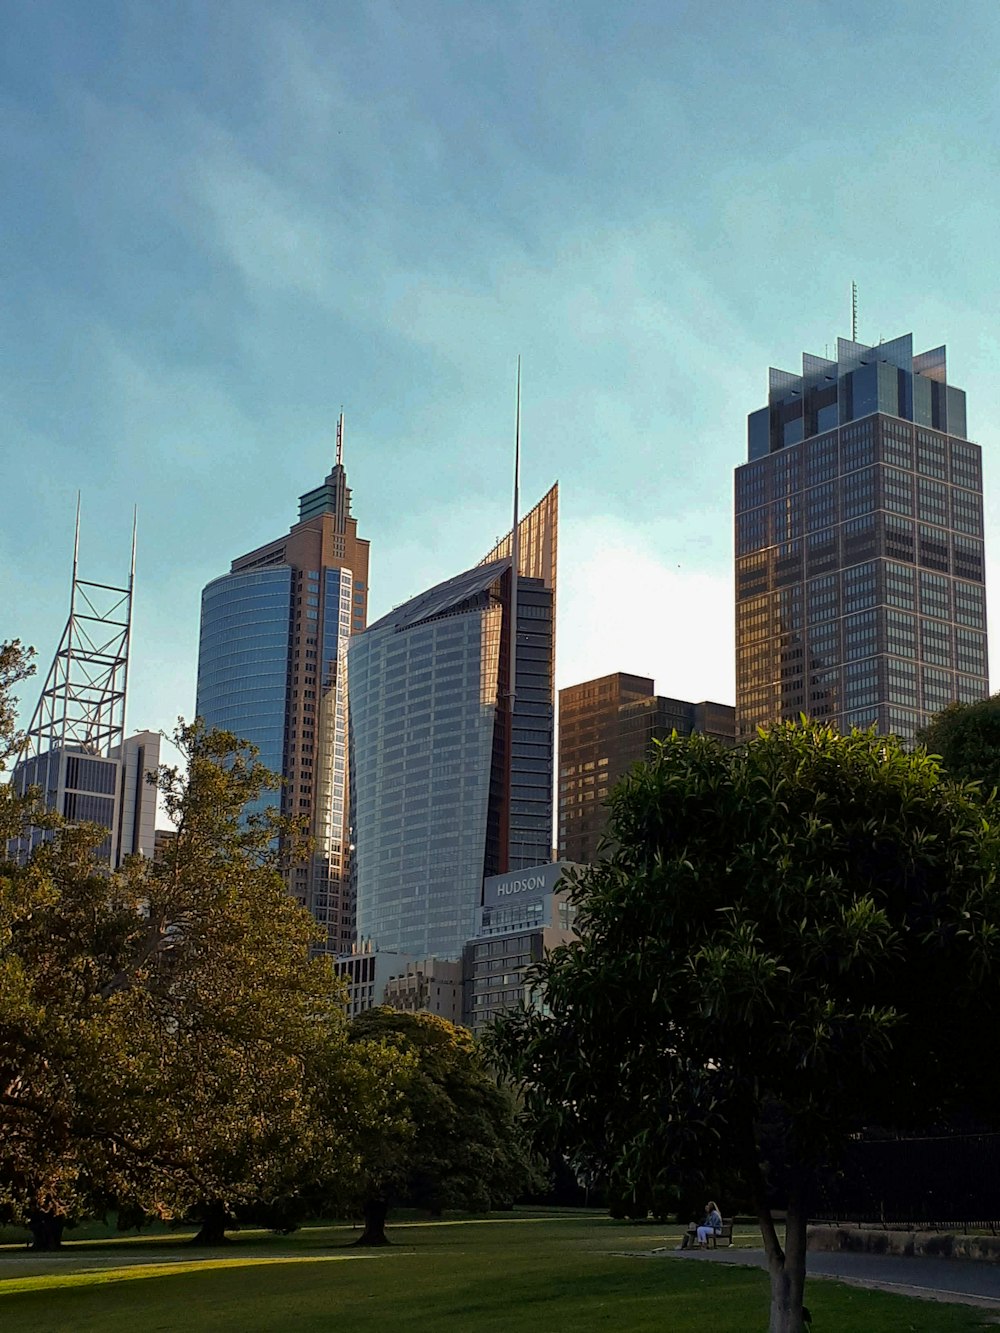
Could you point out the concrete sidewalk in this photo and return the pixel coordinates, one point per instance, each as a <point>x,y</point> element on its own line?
<point>963,1282</point>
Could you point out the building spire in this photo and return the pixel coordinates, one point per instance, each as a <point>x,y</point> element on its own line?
<point>515,542</point>
<point>854,312</point>
<point>340,439</point>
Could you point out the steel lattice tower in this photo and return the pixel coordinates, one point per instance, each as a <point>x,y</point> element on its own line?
<point>82,703</point>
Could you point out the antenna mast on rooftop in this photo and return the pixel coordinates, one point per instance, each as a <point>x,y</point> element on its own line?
<point>83,701</point>
<point>340,439</point>
<point>854,312</point>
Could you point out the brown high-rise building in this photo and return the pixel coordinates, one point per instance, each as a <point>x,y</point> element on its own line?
<point>272,669</point>
<point>606,726</point>
<point>860,596</point>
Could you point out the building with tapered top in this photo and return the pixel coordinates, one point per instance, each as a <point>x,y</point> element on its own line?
<point>860,595</point>
<point>451,751</point>
<point>272,669</point>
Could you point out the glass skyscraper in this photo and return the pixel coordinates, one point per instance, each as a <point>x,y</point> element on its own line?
<point>860,596</point>
<point>451,769</point>
<point>272,669</point>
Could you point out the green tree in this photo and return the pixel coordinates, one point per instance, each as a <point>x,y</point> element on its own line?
<point>967,738</point>
<point>460,1145</point>
<point>778,951</point>
<point>15,666</point>
<point>163,1032</point>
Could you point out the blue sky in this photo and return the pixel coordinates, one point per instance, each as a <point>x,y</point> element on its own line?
<point>221,222</point>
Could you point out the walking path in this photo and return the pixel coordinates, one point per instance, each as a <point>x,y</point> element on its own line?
<point>964,1282</point>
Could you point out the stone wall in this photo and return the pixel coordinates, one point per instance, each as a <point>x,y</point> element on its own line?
<point>925,1244</point>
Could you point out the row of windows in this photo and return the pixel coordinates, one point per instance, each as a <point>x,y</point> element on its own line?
<point>819,460</point>
<point>862,493</point>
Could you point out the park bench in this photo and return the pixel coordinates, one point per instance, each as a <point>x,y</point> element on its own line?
<point>725,1235</point>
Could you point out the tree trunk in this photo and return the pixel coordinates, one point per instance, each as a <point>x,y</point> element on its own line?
<point>788,1269</point>
<point>376,1211</point>
<point>46,1231</point>
<point>213,1225</point>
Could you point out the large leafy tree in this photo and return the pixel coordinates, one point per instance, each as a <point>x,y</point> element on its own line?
<point>777,952</point>
<point>165,1040</point>
<point>967,739</point>
<point>460,1144</point>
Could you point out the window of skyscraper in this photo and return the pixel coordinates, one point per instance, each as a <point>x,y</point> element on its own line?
<point>939,689</point>
<point>860,635</point>
<point>821,506</point>
<point>901,681</point>
<point>821,459</point>
<point>970,647</point>
<point>899,585</point>
<point>857,447</point>
<point>966,469</point>
<point>967,511</point>
<point>932,497</point>
<point>901,633</point>
<point>934,595</point>
<point>899,539</point>
<point>859,587</point>
<point>897,490</point>
<point>935,643</point>
<point>968,557</point>
<point>970,604</point>
<point>933,547</point>
<point>859,493</point>
<point>931,455</point>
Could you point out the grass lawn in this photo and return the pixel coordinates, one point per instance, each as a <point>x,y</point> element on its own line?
<point>511,1273</point>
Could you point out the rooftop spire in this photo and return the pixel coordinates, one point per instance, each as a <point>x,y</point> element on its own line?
<point>340,439</point>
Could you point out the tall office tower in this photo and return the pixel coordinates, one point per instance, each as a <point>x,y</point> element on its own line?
<point>606,726</point>
<point>451,752</point>
<point>859,545</point>
<point>76,749</point>
<point>272,669</point>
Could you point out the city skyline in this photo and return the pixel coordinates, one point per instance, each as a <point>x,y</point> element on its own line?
<point>219,231</point>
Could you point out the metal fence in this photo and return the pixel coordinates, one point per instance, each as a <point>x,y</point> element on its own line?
<point>947,1184</point>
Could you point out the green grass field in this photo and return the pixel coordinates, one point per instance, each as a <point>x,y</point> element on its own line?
<point>520,1273</point>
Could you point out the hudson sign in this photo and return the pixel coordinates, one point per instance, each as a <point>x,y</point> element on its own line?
<point>521,883</point>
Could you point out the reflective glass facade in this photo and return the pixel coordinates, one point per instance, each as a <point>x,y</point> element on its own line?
<point>860,594</point>
<point>449,783</point>
<point>273,669</point>
<point>422,730</point>
<point>243,660</point>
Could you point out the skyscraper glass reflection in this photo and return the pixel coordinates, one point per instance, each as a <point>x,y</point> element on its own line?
<point>860,593</point>
<point>452,770</point>
<point>272,669</point>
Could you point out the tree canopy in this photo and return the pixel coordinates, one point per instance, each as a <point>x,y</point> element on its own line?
<point>169,1048</point>
<point>158,1022</point>
<point>771,958</point>
<point>967,738</point>
<point>460,1146</point>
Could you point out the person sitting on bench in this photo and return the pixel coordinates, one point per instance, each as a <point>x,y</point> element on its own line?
<point>711,1225</point>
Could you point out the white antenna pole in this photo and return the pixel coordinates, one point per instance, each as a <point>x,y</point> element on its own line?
<point>128,619</point>
<point>70,644</point>
<point>515,546</point>
<point>854,312</point>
